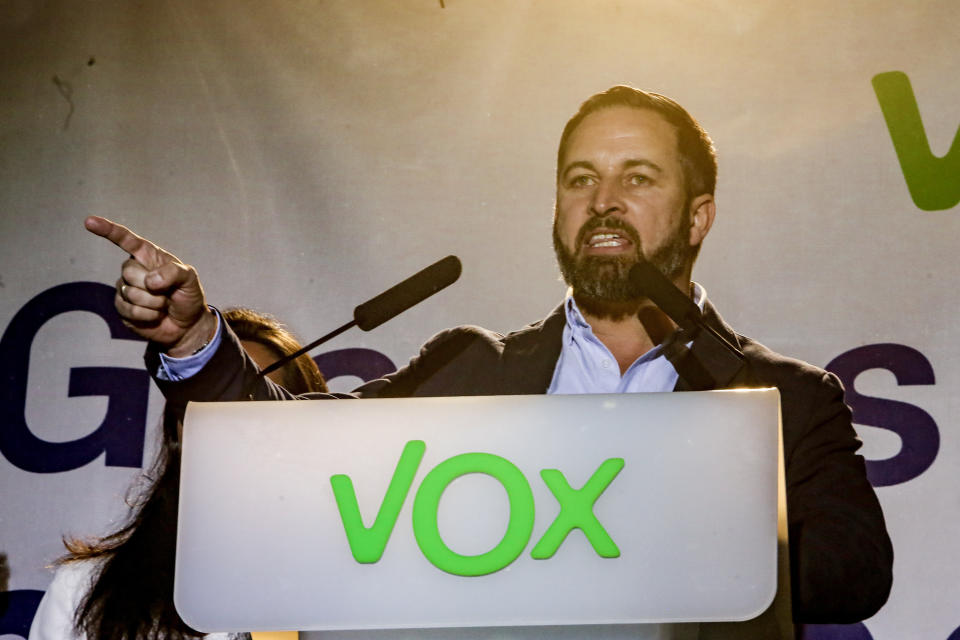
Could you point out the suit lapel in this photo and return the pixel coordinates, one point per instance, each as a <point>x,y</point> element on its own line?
<point>530,355</point>
<point>703,351</point>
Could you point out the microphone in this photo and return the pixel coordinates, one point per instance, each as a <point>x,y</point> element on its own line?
<point>713,362</point>
<point>650,283</point>
<point>392,302</point>
<point>413,290</point>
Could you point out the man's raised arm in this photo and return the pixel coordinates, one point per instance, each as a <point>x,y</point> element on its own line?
<point>158,296</point>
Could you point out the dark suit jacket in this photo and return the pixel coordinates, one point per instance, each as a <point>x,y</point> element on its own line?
<point>841,556</point>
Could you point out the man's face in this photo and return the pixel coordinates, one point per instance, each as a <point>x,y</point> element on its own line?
<point>620,196</point>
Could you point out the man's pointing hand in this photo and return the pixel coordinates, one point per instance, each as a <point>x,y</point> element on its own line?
<point>158,296</point>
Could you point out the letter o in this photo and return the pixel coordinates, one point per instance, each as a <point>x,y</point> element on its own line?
<point>427,502</point>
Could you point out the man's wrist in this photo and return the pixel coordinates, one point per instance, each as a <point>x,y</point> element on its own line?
<point>173,369</point>
<point>196,338</point>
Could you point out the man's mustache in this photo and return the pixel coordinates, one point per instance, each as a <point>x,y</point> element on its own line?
<point>611,223</point>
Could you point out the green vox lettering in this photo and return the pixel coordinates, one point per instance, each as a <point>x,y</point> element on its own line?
<point>934,183</point>
<point>367,545</point>
<point>576,511</point>
<point>519,527</point>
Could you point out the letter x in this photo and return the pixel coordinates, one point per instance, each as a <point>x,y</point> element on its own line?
<point>576,511</point>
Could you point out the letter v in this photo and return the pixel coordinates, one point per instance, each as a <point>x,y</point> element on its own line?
<point>934,183</point>
<point>367,545</point>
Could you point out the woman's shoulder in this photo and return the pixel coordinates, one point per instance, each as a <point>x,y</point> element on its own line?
<point>57,612</point>
<point>55,616</point>
<point>75,576</point>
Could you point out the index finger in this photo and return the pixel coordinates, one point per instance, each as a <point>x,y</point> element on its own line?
<point>140,248</point>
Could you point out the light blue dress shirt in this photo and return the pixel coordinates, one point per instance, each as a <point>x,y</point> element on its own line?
<point>586,365</point>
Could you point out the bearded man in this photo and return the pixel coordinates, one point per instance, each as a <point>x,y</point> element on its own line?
<point>635,180</point>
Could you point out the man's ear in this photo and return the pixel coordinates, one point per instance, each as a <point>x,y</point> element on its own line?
<point>702,212</point>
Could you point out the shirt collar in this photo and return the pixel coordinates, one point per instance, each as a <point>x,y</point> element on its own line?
<point>578,325</point>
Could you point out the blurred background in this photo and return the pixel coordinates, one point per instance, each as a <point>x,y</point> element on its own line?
<point>304,156</point>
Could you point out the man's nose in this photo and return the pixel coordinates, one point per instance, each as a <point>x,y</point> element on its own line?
<point>607,199</point>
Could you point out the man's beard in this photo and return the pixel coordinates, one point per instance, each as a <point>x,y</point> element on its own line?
<point>601,284</point>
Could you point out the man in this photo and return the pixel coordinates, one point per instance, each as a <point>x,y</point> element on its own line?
<point>635,180</point>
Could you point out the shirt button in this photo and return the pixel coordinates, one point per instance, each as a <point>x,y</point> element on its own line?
<point>605,364</point>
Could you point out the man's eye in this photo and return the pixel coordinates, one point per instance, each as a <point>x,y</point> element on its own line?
<point>581,181</point>
<point>637,179</point>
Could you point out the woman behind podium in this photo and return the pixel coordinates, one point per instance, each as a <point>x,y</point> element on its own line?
<point>120,587</point>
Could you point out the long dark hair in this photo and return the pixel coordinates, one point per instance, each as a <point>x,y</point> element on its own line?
<point>131,596</point>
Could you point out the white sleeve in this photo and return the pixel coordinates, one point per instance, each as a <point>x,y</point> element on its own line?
<point>55,615</point>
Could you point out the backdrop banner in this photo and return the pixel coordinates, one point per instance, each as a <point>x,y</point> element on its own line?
<point>305,156</point>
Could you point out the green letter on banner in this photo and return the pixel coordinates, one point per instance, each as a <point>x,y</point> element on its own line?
<point>427,502</point>
<point>366,544</point>
<point>934,183</point>
<point>576,511</point>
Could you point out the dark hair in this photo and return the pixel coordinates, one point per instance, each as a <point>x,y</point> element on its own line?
<point>698,158</point>
<point>4,572</point>
<point>300,376</point>
<point>131,596</point>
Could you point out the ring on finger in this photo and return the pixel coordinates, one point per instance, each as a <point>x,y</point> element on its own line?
<point>123,293</point>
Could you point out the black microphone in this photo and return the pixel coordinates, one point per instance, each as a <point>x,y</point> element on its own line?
<point>650,283</point>
<point>413,290</point>
<point>390,303</point>
<point>714,362</point>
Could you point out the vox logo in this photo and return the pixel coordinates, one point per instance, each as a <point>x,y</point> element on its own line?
<point>576,511</point>
<point>934,183</point>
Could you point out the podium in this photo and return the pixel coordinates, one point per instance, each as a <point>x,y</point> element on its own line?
<point>534,515</point>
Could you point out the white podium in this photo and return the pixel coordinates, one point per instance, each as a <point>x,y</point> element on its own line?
<point>511,511</point>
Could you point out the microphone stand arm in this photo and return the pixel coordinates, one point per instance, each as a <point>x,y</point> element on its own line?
<point>296,354</point>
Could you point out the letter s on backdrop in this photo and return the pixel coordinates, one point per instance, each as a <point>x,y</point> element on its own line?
<point>917,430</point>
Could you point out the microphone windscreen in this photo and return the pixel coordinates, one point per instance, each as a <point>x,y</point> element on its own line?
<point>401,297</point>
<point>649,282</point>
